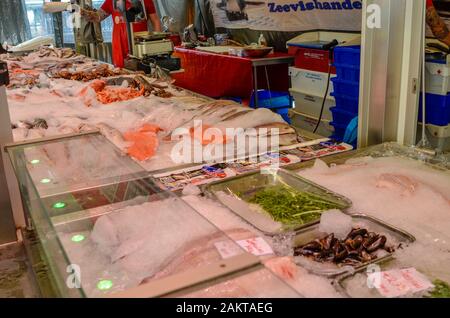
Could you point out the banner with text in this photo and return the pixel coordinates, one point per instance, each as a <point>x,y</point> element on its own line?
<point>288,15</point>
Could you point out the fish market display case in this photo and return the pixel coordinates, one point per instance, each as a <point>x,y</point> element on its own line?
<point>104,229</point>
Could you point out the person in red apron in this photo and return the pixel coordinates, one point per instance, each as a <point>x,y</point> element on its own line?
<point>136,9</point>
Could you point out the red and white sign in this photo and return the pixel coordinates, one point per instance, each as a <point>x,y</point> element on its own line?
<point>256,246</point>
<point>396,283</point>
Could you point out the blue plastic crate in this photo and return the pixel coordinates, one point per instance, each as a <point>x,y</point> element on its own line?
<point>272,100</point>
<point>232,98</point>
<point>437,109</point>
<point>347,103</point>
<point>349,55</point>
<point>339,131</point>
<point>347,72</point>
<point>346,88</point>
<point>341,116</point>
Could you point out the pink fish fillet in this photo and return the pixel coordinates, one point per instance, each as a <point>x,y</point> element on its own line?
<point>283,267</point>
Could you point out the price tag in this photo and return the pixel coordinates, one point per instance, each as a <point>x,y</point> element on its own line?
<point>396,283</point>
<point>256,246</point>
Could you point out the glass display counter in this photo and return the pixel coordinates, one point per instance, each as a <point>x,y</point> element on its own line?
<point>107,230</point>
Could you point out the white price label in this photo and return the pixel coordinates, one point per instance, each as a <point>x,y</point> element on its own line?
<point>227,249</point>
<point>256,246</point>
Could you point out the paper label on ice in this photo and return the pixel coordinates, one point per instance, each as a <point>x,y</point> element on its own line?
<point>396,283</point>
<point>256,246</point>
<point>227,249</point>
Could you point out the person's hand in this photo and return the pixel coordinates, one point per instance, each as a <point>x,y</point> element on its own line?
<point>89,15</point>
<point>93,16</point>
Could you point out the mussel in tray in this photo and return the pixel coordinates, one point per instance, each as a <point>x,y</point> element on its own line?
<point>359,247</point>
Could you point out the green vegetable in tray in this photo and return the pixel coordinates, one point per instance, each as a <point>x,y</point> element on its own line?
<point>289,206</point>
<point>441,290</point>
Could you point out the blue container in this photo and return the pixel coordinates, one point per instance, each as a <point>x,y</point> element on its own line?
<point>349,55</point>
<point>347,103</point>
<point>278,102</point>
<point>272,100</point>
<point>437,109</point>
<point>341,116</point>
<point>283,112</point>
<point>347,88</point>
<point>339,131</point>
<point>347,72</point>
<point>234,99</point>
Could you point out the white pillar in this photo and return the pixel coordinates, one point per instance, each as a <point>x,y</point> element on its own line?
<point>390,69</point>
<point>7,225</point>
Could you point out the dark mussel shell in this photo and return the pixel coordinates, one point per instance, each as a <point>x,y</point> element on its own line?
<point>365,257</point>
<point>351,262</point>
<point>370,239</point>
<point>338,257</point>
<point>353,254</point>
<point>355,232</point>
<point>301,251</point>
<point>354,243</point>
<point>328,241</point>
<point>313,246</point>
<point>379,243</point>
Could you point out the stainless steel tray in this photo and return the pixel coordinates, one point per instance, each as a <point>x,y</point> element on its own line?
<point>151,36</point>
<point>233,192</point>
<point>394,236</point>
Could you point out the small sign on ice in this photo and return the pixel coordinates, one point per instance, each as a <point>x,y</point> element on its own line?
<point>227,249</point>
<point>400,282</point>
<point>256,246</point>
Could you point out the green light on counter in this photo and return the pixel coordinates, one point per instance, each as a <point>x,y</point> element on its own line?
<point>105,284</point>
<point>78,238</point>
<point>35,161</point>
<point>46,181</point>
<point>59,205</point>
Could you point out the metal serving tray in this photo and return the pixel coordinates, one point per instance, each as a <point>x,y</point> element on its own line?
<point>395,236</point>
<point>234,191</point>
<point>151,36</point>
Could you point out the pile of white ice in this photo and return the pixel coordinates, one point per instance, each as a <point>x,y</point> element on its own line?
<point>335,222</point>
<point>137,242</point>
<point>402,192</point>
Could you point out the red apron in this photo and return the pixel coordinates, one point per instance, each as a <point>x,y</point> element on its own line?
<point>120,37</point>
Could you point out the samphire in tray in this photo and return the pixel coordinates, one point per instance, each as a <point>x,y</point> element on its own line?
<point>275,202</point>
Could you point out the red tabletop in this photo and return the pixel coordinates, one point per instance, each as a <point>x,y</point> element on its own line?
<point>219,75</point>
